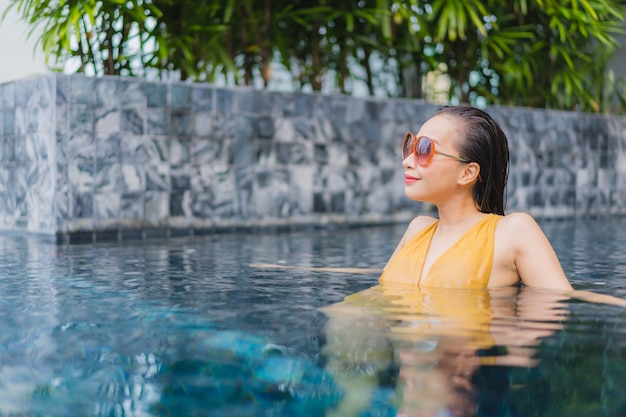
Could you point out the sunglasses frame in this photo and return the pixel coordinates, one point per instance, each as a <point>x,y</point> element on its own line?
<point>433,150</point>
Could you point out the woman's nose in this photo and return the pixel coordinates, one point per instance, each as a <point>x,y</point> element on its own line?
<point>409,162</point>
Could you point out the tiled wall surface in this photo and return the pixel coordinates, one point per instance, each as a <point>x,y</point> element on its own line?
<point>113,157</point>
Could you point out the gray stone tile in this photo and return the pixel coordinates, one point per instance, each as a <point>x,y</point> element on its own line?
<point>179,152</point>
<point>224,126</point>
<point>156,208</point>
<point>180,123</point>
<point>265,127</point>
<point>81,146</point>
<point>387,111</point>
<point>21,156</point>
<point>106,206</point>
<point>273,194</point>
<point>369,155</point>
<point>294,153</point>
<point>202,98</point>
<point>224,191</point>
<point>617,202</point>
<point>158,122</point>
<point>62,119</point>
<point>284,105</point>
<point>82,90</point>
<point>62,89</point>
<point>372,131</point>
<point>81,175</point>
<point>206,151</point>
<point>157,149</point>
<point>336,107</point>
<point>82,205</point>
<point>132,207</point>
<point>40,147</point>
<point>108,92</point>
<point>9,206</point>
<point>108,178</point>
<point>292,130</point>
<point>157,177</point>
<point>133,121</point>
<point>21,121</point>
<point>8,150</point>
<point>62,180</point>
<point>224,100</point>
<point>180,203</point>
<point>8,96</point>
<point>133,148</point>
<point>156,94</point>
<point>180,178</point>
<point>202,124</point>
<point>245,128</point>
<point>265,154</point>
<point>245,100</point>
<point>25,92</point>
<point>107,120</point>
<point>62,208</point>
<point>263,103</point>
<point>133,94</point>
<point>107,148</point>
<point>201,205</point>
<point>133,178</point>
<point>94,161</point>
<point>200,178</point>
<point>180,96</point>
<point>356,110</point>
<point>81,119</point>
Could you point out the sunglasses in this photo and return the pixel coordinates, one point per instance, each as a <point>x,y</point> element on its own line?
<point>424,150</point>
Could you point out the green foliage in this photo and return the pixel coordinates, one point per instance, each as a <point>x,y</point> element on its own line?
<point>564,59</point>
<point>191,38</point>
<point>109,37</point>
<point>538,53</point>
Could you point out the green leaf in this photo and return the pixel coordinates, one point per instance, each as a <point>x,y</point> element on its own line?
<point>350,22</point>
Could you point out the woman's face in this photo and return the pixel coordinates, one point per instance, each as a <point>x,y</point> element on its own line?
<point>439,179</point>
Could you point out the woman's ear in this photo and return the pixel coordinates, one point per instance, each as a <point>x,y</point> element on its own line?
<point>470,174</point>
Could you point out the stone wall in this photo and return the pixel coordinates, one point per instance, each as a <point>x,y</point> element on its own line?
<point>125,158</point>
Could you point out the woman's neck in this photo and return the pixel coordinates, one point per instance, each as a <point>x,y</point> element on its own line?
<point>458,213</point>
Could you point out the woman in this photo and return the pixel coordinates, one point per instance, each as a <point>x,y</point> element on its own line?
<point>459,162</point>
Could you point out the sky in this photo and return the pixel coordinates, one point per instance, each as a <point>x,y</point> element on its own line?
<point>18,58</point>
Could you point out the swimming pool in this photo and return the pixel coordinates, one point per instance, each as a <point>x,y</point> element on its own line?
<point>186,327</point>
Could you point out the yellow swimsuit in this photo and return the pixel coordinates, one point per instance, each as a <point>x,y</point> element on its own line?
<point>466,264</point>
<point>426,316</point>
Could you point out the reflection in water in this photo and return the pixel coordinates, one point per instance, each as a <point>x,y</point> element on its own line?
<point>448,349</point>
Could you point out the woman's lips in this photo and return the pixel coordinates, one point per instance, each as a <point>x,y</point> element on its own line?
<point>409,179</point>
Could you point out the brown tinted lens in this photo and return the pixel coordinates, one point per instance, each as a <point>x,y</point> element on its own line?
<point>423,151</point>
<point>407,145</point>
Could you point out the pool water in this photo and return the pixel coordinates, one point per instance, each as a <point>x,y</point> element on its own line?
<point>186,327</point>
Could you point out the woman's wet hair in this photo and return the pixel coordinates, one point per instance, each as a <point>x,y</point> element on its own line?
<point>483,141</point>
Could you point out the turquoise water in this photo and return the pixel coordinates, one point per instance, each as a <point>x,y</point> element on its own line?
<point>186,327</point>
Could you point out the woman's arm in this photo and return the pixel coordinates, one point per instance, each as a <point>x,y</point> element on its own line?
<point>320,269</point>
<point>416,224</point>
<point>532,254</point>
<point>538,265</point>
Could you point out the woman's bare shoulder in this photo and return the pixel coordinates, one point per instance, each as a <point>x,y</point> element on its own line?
<point>418,223</point>
<point>517,229</point>
<point>516,222</point>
